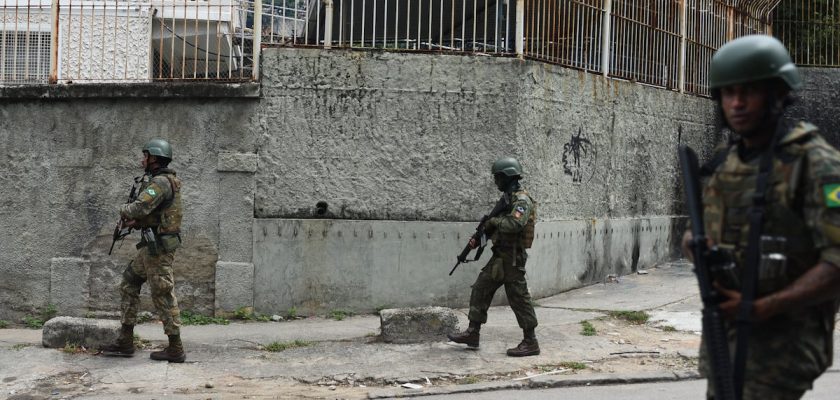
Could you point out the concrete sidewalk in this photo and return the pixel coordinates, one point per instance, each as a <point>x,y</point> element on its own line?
<point>347,359</point>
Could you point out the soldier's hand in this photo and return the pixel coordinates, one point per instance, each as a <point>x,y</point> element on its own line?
<point>729,307</point>
<point>473,243</point>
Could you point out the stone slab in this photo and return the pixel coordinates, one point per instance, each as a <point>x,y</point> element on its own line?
<point>416,325</point>
<point>234,286</point>
<point>69,290</point>
<point>91,333</point>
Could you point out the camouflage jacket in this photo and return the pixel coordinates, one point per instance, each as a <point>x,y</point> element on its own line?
<point>517,226</point>
<point>158,204</point>
<point>803,219</point>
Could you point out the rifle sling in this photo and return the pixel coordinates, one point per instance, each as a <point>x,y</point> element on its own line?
<point>753,259</point>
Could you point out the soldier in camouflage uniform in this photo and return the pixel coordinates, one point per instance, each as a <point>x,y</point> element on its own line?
<point>798,285</point>
<point>512,234</point>
<point>158,210</point>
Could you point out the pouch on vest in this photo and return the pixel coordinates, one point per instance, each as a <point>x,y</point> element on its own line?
<point>528,232</point>
<point>772,270</point>
<point>169,242</point>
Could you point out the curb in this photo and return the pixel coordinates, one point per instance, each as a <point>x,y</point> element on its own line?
<point>540,382</point>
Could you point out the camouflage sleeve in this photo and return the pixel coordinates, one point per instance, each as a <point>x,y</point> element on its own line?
<point>821,205</point>
<point>152,195</point>
<point>515,221</point>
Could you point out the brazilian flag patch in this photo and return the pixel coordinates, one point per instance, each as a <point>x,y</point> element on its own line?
<point>152,193</point>
<point>832,195</point>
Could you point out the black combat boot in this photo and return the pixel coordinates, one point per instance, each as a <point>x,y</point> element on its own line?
<point>124,347</point>
<point>172,353</point>
<point>528,347</point>
<point>468,337</point>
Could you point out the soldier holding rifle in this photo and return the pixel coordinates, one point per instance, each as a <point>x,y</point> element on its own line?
<point>511,228</point>
<point>771,213</point>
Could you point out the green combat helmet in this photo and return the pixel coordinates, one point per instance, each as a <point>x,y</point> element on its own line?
<point>752,58</point>
<point>508,166</point>
<point>158,147</point>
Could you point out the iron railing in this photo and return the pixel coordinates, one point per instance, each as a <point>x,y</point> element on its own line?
<point>811,31</point>
<point>61,41</point>
<point>666,43</point>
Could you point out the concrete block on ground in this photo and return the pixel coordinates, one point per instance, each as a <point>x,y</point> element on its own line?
<point>88,332</point>
<point>69,285</point>
<point>415,325</point>
<point>234,286</point>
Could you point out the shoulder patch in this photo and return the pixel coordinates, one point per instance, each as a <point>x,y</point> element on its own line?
<point>151,192</point>
<point>832,195</point>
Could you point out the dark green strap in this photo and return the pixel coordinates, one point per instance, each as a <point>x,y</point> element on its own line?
<point>750,274</point>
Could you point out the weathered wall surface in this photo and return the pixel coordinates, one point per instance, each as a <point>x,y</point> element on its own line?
<point>818,101</point>
<point>403,139</point>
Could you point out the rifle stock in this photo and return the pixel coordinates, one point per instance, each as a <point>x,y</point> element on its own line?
<point>717,344</point>
<point>479,236</point>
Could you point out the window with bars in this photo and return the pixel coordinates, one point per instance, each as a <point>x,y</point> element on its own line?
<point>24,56</point>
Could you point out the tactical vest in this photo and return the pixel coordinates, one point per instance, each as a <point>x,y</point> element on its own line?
<point>525,238</point>
<point>167,216</point>
<point>787,246</point>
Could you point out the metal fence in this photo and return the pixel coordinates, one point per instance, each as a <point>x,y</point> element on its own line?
<point>62,41</point>
<point>811,30</point>
<point>666,43</point>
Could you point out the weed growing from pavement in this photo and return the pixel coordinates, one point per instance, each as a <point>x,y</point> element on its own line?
<point>37,322</point>
<point>281,346</point>
<point>588,329</point>
<point>633,317</point>
<point>4,324</point>
<point>188,318</point>
<point>292,313</point>
<point>469,380</point>
<point>668,328</point>
<point>20,346</point>
<point>380,308</point>
<point>73,348</point>
<point>140,343</point>
<point>247,314</point>
<point>339,315</point>
<point>572,365</point>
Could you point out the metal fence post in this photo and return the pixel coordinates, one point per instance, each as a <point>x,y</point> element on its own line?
<point>257,40</point>
<point>328,23</point>
<point>606,33</point>
<point>54,29</point>
<point>520,28</point>
<point>683,42</point>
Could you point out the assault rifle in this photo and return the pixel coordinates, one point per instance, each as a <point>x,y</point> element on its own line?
<point>121,230</point>
<point>706,261</point>
<point>502,206</point>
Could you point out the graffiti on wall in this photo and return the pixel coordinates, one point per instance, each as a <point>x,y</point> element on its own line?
<point>579,157</point>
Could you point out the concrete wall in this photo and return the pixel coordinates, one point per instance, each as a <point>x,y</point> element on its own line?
<point>819,101</point>
<point>397,145</point>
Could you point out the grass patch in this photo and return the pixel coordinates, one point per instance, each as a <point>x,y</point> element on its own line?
<point>292,313</point>
<point>573,365</point>
<point>633,317</point>
<point>188,318</point>
<point>668,328</point>
<point>20,346</point>
<point>282,346</point>
<point>339,315</point>
<point>140,343</point>
<point>73,348</point>
<point>4,324</point>
<point>248,314</point>
<point>381,307</point>
<point>44,315</point>
<point>469,380</point>
<point>587,329</point>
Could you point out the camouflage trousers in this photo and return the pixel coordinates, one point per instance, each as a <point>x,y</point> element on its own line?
<point>501,271</point>
<point>157,270</point>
